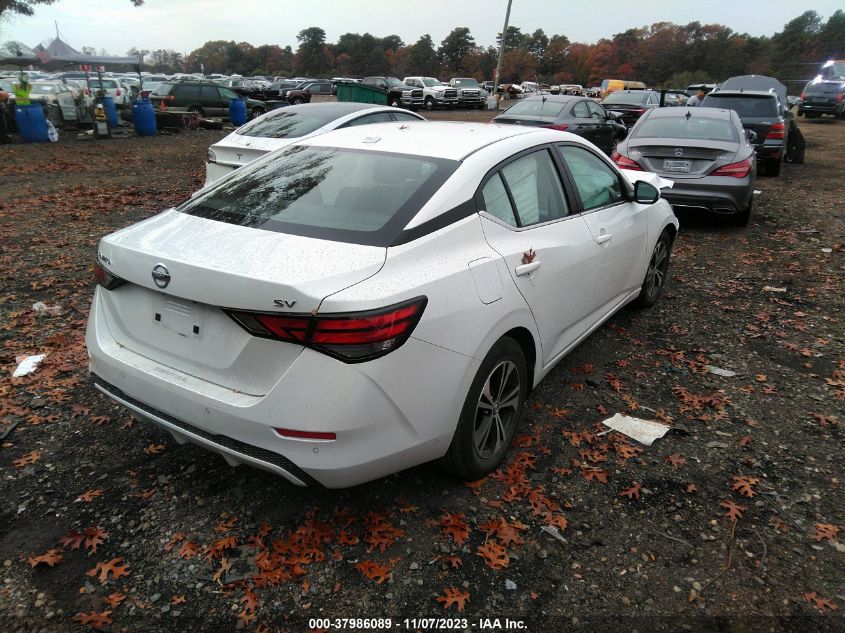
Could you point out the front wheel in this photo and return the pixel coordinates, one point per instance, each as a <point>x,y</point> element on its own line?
<point>429,104</point>
<point>395,103</point>
<point>256,112</point>
<point>658,270</point>
<point>296,101</point>
<point>490,414</point>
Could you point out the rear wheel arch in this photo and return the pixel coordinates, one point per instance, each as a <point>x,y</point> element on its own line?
<point>525,340</point>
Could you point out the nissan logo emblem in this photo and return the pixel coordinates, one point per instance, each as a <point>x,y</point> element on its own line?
<point>161,276</point>
<point>679,152</point>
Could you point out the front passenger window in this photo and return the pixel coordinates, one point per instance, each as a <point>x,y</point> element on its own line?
<point>496,201</point>
<point>597,183</point>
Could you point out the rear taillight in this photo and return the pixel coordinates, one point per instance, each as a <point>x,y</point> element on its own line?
<point>351,337</point>
<point>735,170</point>
<point>623,162</point>
<point>106,279</point>
<point>802,95</point>
<point>839,97</point>
<point>117,92</point>
<point>557,126</point>
<point>777,131</point>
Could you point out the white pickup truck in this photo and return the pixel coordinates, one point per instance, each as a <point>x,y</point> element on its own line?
<point>470,94</point>
<point>435,92</point>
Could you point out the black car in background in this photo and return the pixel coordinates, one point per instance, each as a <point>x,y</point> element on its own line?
<point>761,105</point>
<point>204,98</point>
<point>822,97</point>
<point>630,105</point>
<point>579,115</point>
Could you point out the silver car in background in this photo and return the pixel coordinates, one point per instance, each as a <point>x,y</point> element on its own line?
<point>705,151</point>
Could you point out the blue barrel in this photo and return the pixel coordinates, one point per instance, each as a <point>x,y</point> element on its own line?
<point>237,111</point>
<point>144,117</point>
<point>111,111</point>
<point>31,123</point>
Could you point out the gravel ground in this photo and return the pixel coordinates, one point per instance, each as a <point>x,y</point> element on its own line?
<point>728,523</point>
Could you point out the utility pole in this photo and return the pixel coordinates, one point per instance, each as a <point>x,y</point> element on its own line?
<point>501,53</point>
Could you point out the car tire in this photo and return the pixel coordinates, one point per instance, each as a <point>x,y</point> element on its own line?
<point>502,379</point>
<point>773,167</point>
<point>395,103</point>
<point>429,104</point>
<point>657,272</point>
<point>197,110</point>
<point>296,101</point>
<point>741,218</point>
<point>256,112</point>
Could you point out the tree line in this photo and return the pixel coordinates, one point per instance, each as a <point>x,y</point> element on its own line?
<point>662,54</point>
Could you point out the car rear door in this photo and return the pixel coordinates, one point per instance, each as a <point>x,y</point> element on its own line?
<point>529,219</point>
<point>618,227</point>
<point>582,123</point>
<point>604,127</point>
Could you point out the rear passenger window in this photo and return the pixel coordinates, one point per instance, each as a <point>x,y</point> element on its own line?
<point>496,201</point>
<point>189,91</point>
<point>378,117</point>
<point>535,187</point>
<point>597,183</point>
<point>210,92</point>
<point>580,110</point>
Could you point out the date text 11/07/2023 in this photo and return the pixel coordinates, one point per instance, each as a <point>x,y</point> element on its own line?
<point>417,624</point>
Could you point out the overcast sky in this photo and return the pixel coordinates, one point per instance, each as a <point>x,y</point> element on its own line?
<point>184,25</point>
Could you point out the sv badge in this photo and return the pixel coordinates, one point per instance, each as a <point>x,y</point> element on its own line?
<point>284,303</point>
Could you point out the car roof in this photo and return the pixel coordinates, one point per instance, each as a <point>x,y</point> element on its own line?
<point>330,108</point>
<point>437,139</point>
<point>742,93</point>
<point>552,98</point>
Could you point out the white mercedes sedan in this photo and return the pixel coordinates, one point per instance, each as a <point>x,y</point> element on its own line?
<point>292,124</point>
<point>375,297</point>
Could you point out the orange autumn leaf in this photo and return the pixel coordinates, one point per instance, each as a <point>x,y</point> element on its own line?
<point>51,558</point>
<point>177,599</point>
<point>154,449</point>
<point>112,567</point>
<point>453,596</point>
<point>820,603</point>
<point>114,599</point>
<point>26,460</point>
<point>825,532</point>
<point>89,495</point>
<point>97,621</point>
<point>188,550</point>
<point>633,492</point>
<point>250,599</point>
<point>675,459</point>
<point>745,485</point>
<point>455,526</point>
<point>179,536</point>
<point>374,571</point>
<point>734,511</point>
<point>495,556</point>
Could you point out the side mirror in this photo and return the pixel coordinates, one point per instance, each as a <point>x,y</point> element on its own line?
<point>751,135</point>
<point>645,193</point>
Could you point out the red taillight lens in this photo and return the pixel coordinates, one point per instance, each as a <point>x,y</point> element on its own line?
<point>735,170</point>
<point>353,337</point>
<point>623,162</point>
<point>106,279</point>
<point>777,131</point>
<point>802,96</point>
<point>117,92</point>
<point>557,126</point>
<point>306,435</point>
<point>839,97</point>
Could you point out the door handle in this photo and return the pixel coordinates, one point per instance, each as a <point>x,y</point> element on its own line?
<point>603,237</point>
<point>527,269</point>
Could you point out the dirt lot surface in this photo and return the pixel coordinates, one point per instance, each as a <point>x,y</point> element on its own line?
<point>734,521</point>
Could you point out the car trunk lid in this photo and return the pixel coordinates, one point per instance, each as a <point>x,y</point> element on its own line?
<point>213,265</point>
<point>240,150</point>
<point>688,158</point>
<point>525,119</point>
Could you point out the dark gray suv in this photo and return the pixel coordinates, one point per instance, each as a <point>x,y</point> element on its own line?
<point>203,98</point>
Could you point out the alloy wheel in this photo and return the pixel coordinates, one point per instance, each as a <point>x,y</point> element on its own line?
<point>657,268</point>
<point>496,412</point>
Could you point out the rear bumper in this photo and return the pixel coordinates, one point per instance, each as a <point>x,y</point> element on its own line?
<point>822,108</point>
<point>711,193</point>
<point>389,414</point>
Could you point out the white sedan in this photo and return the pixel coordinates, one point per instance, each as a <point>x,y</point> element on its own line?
<point>373,298</point>
<point>286,126</point>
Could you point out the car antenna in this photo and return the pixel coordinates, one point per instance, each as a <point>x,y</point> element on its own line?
<point>688,114</point>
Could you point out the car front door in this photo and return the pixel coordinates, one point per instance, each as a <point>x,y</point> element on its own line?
<point>529,219</point>
<point>605,130</point>
<point>211,101</point>
<point>618,227</point>
<point>584,124</point>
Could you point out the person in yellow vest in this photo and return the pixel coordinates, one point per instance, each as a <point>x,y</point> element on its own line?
<point>22,90</point>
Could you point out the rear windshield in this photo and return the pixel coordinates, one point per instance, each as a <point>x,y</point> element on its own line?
<point>44,89</point>
<point>698,128</point>
<point>108,84</point>
<point>345,195</point>
<point>626,97</point>
<point>286,124</point>
<point>747,106</point>
<point>537,107</point>
<point>823,88</point>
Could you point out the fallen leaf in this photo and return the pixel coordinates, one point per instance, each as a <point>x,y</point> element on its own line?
<point>50,558</point>
<point>111,567</point>
<point>453,595</point>
<point>633,492</point>
<point>495,556</point>
<point>95,620</point>
<point>825,532</point>
<point>26,460</point>
<point>734,512</point>
<point>114,599</point>
<point>374,571</point>
<point>745,485</point>
<point>89,495</point>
